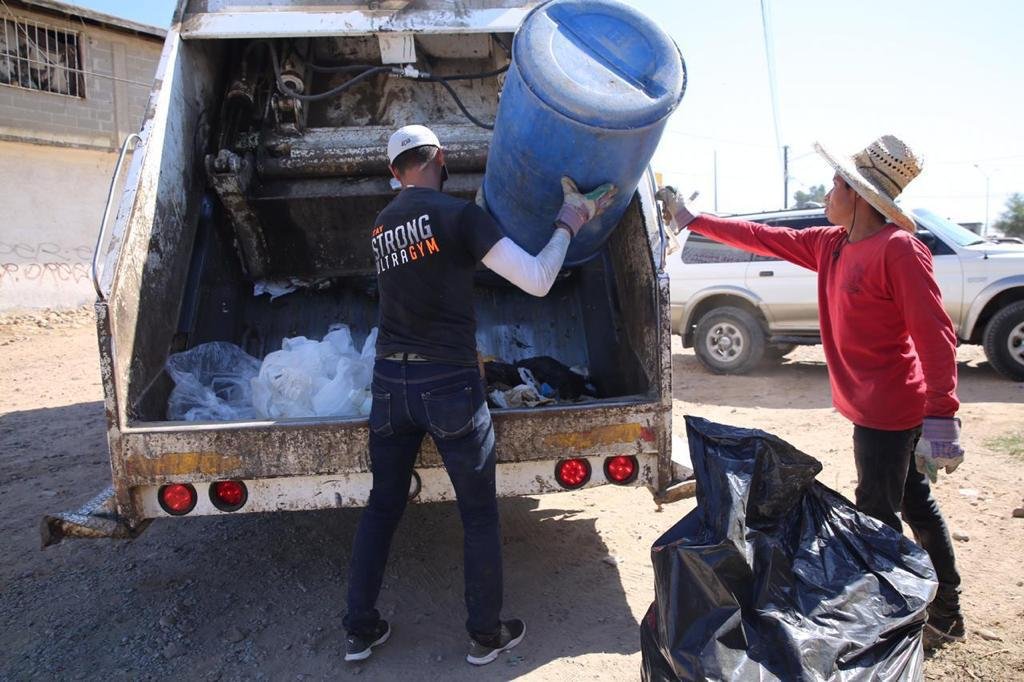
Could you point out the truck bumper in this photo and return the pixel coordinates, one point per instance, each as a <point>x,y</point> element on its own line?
<point>298,493</point>
<point>97,519</point>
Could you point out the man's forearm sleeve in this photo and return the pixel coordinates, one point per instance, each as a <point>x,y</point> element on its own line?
<point>532,274</point>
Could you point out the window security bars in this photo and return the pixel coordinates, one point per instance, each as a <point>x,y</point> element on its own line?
<point>35,56</point>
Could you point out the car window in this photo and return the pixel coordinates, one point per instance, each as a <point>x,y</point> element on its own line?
<point>934,244</point>
<point>800,223</point>
<point>699,249</point>
<point>950,230</point>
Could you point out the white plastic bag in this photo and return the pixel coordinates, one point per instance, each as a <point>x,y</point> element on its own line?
<point>212,382</point>
<point>306,378</point>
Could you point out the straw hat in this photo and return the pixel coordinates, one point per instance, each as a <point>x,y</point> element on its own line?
<point>879,173</point>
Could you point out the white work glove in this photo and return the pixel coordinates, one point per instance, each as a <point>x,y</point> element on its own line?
<point>673,208</point>
<point>578,209</point>
<point>938,447</point>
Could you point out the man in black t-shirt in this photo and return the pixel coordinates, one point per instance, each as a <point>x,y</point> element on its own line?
<point>426,246</point>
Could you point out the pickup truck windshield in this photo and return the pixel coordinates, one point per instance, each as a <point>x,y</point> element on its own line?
<point>960,236</point>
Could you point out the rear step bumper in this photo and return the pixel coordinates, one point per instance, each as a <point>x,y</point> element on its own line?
<point>96,519</point>
<point>795,340</point>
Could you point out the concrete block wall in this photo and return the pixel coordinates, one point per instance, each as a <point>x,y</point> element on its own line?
<point>57,154</point>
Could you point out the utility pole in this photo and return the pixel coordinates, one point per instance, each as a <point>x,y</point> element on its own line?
<point>716,181</point>
<point>785,176</point>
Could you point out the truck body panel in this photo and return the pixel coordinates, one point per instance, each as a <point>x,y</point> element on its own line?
<point>210,206</point>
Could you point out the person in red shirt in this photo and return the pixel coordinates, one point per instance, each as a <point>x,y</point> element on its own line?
<point>889,345</point>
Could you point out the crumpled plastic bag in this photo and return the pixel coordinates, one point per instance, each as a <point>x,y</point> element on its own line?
<point>212,382</point>
<point>306,378</point>
<point>276,288</point>
<point>563,383</point>
<point>348,393</point>
<point>774,576</point>
<point>527,394</point>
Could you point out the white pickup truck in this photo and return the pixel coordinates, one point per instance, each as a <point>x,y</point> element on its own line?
<point>733,307</point>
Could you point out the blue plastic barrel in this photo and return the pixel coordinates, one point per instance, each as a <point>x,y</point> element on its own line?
<point>590,89</point>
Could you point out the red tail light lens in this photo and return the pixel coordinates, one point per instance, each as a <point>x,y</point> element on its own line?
<point>228,495</point>
<point>572,473</point>
<point>177,499</point>
<point>621,469</point>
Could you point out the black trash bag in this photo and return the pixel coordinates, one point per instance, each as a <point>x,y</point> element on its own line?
<point>774,576</point>
<point>547,370</point>
<point>501,374</point>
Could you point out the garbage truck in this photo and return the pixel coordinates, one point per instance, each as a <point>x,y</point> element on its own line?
<point>235,179</point>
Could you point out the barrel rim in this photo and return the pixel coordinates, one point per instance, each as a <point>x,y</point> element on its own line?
<point>610,125</point>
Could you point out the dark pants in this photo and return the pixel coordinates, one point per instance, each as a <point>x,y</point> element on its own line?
<point>888,482</point>
<point>411,399</point>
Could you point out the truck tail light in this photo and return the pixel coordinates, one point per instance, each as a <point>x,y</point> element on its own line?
<point>177,499</point>
<point>228,496</point>
<point>572,473</point>
<point>621,469</point>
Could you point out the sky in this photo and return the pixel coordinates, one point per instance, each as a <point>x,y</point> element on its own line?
<point>944,75</point>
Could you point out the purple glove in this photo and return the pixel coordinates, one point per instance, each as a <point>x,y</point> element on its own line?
<point>578,209</point>
<point>939,446</point>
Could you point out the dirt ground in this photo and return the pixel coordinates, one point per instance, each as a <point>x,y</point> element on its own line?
<point>261,596</point>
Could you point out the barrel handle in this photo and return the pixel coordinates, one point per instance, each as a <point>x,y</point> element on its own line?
<point>106,213</point>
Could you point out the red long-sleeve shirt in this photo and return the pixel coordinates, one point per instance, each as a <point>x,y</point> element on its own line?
<point>889,344</point>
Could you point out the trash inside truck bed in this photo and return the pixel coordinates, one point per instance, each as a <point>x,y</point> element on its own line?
<point>233,183</point>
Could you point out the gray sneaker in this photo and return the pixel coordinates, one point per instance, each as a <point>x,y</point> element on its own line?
<point>482,653</point>
<point>359,647</point>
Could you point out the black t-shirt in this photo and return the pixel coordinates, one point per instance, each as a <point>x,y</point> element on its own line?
<point>426,245</point>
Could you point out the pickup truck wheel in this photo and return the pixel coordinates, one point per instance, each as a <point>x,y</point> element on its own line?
<point>729,340</point>
<point>1004,341</point>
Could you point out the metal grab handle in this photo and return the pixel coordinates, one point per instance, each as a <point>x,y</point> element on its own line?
<point>661,223</point>
<point>106,214</point>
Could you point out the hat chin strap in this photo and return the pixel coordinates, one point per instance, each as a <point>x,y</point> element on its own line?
<point>835,254</point>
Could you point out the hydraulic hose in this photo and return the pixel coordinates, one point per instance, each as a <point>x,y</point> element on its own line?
<point>451,91</point>
<point>365,72</point>
<point>475,76</point>
<point>341,69</point>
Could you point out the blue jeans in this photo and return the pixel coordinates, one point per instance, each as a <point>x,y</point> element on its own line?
<point>888,482</point>
<point>411,399</point>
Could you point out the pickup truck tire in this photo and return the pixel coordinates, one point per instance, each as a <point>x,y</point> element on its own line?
<point>1004,341</point>
<point>729,340</point>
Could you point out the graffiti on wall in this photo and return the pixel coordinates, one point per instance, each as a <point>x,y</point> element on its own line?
<point>45,263</point>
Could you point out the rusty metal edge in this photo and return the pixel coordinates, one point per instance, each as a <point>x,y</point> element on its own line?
<point>679,491</point>
<point>96,519</point>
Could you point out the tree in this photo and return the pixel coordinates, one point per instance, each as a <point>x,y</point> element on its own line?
<point>1011,223</point>
<point>813,197</point>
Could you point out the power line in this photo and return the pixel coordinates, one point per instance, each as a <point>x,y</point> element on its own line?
<point>719,140</point>
<point>961,196</point>
<point>770,57</point>
<point>950,162</point>
<point>802,156</point>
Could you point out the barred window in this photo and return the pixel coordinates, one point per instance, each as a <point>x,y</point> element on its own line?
<point>40,57</point>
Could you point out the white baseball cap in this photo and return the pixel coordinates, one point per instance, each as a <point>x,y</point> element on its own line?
<point>410,137</point>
